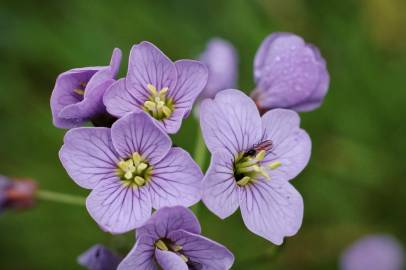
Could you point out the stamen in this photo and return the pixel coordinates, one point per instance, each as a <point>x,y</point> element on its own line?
<point>161,245</point>
<point>274,165</point>
<point>134,171</point>
<point>158,104</point>
<point>184,258</point>
<point>79,91</point>
<point>248,168</point>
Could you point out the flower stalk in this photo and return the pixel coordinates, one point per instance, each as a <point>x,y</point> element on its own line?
<point>47,195</point>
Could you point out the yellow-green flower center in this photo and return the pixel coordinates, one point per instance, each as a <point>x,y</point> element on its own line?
<point>167,245</point>
<point>159,105</point>
<point>134,171</point>
<point>80,90</point>
<point>249,167</point>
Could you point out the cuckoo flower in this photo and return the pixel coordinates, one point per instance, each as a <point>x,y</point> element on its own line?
<point>16,193</point>
<point>130,169</point>
<point>171,240</point>
<point>374,252</point>
<point>78,93</point>
<point>289,74</point>
<point>222,61</point>
<point>99,257</point>
<point>154,84</point>
<point>252,160</point>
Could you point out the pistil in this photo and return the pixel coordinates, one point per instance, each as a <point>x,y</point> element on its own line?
<point>159,105</point>
<point>134,171</point>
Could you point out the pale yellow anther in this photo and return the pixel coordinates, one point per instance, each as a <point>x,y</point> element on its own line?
<point>161,245</point>
<point>128,175</point>
<point>261,155</point>
<point>177,248</point>
<point>142,166</point>
<point>79,91</point>
<point>150,105</point>
<point>152,88</point>
<point>244,181</point>
<point>163,91</point>
<point>166,111</point>
<point>139,180</point>
<point>183,257</point>
<point>274,165</point>
<point>137,158</point>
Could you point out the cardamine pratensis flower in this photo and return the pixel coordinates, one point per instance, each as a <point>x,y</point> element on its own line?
<point>252,160</point>
<point>16,193</point>
<point>130,168</point>
<point>221,59</point>
<point>289,74</point>
<point>99,257</point>
<point>171,240</point>
<point>154,84</point>
<point>78,93</point>
<point>374,252</point>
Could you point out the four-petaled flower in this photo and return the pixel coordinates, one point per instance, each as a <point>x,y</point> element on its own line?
<point>154,84</point>
<point>131,168</point>
<point>252,160</point>
<point>78,93</point>
<point>222,61</point>
<point>289,74</point>
<point>171,240</point>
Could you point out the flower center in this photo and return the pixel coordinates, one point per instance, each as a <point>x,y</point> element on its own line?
<point>134,171</point>
<point>80,90</point>
<point>248,167</point>
<point>167,245</point>
<point>159,105</point>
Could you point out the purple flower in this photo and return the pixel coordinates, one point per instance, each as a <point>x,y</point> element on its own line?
<point>374,252</point>
<point>4,184</point>
<point>171,240</point>
<point>17,194</point>
<point>78,93</point>
<point>131,168</point>
<point>98,257</point>
<point>222,61</point>
<point>156,85</point>
<point>252,159</point>
<point>289,74</point>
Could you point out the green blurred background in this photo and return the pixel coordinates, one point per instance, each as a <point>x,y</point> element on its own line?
<point>354,183</point>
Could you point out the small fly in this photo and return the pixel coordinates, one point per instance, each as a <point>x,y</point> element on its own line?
<point>266,146</point>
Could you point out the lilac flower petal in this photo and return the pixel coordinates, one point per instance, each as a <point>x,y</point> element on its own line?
<point>374,252</point>
<point>149,65</point>
<point>118,100</point>
<point>168,219</point>
<point>220,190</point>
<point>63,94</point>
<point>172,124</point>
<point>136,132</point>
<point>98,257</point>
<point>222,60</point>
<point>141,257</point>
<point>289,73</point>
<point>176,180</point>
<point>272,209</point>
<point>198,249</point>
<point>169,260</point>
<point>292,145</point>
<point>88,156</point>
<point>192,78</point>
<point>117,208</point>
<point>230,121</point>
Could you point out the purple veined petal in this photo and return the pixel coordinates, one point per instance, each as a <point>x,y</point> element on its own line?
<point>315,100</point>
<point>271,209</point>
<point>118,208</point>
<point>141,257</point>
<point>88,156</point>
<point>168,219</point>
<point>118,100</point>
<point>231,121</point>
<point>220,191</point>
<point>175,180</point>
<point>221,59</point>
<point>169,260</point>
<point>203,252</point>
<point>192,78</point>
<point>63,94</point>
<point>98,257</point>
<point>149,65</point>
<point>286,70</point>
<point>136,132</point>
<point>291,145</point>
<point>374,252</point>
<point>172,124</point>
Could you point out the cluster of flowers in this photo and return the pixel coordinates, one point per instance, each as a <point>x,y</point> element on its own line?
<point>128,161</point>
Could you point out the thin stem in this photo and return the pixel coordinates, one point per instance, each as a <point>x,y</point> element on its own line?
<point>52,196</point>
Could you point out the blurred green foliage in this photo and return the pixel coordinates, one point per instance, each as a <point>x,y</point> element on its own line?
<point>353,185</point>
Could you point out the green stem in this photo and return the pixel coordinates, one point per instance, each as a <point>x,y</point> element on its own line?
<point>52,196</point>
